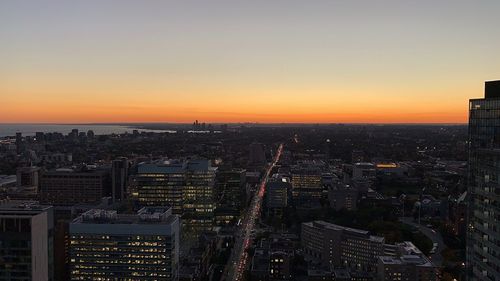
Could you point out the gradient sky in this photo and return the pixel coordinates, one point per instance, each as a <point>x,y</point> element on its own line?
<point>236,61</point>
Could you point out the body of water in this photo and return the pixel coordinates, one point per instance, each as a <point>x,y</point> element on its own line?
<point>31,129</point>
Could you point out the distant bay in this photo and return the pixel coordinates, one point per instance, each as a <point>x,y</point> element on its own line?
<point>99,129</point>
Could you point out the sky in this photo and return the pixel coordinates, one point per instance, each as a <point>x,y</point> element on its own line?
<point>245,61</point>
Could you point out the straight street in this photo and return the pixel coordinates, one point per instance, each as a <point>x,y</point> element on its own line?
<point>239,258</point>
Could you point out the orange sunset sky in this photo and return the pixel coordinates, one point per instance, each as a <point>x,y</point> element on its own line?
<point>245,61</point>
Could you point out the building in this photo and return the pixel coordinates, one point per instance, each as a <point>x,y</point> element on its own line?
<point>343,196</point>
<point>257,155</point>
<point>105,245</point>
<point>119,178</point>
<point>329,244</point>
<point>409,263</point>
<point>273,259</point>
<point>483,234</point>
<point>230,194</point>
<point>277,192</point>
<point>28,177</point>
<point>187,186</point>
<point>66,187</point>
<point>307,187</point>
<point>26,241</point>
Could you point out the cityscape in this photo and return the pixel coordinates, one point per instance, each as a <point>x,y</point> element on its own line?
<point>237,141</point>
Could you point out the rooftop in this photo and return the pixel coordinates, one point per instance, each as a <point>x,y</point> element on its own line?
<point>146,215</point>
<point>7,206</point>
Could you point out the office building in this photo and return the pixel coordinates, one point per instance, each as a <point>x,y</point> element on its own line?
<point>105,245</point>
<point>483,233</point>
<point>187,186</point>
<point>28,177</point>
<point>66,187</point>
<point>329,244</point>
<point>119,178</point>
<point>307,187</point>
<point>278,189</point>
<point>230,195</point>
<point>26,241</point>
<point>408,263</point>
<point>343,196</point>
<point>273,259</point>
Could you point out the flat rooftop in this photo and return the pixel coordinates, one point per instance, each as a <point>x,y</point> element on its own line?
<point>146,215</point>
<point>16,206</point>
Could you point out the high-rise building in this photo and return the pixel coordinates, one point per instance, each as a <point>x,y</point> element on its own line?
<point>187,186</point>
<point>230,195</point>
<point>119,178</point>
<point>483,234</point>
<point>68,187</point>
<point>19,143</point>
<point>105,245</point>
<point>26,241</point>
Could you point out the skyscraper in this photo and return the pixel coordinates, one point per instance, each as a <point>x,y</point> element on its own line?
<point>119,176</point>
<point>483,233</point>
<point>26,241</point>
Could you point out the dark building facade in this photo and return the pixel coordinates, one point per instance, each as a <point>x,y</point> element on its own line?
<point>119,176</point>
<point>483,232</point>
<point>67,187</point>
<point>26,241</point>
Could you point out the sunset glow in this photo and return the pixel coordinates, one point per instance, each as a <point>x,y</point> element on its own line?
<point>232,61</point>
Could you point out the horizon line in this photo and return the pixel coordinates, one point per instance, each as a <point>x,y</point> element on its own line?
<point>235,123</point>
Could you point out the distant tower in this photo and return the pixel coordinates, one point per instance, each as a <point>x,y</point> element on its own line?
<point>19,142</point>
<point>119,175</point>
<point>90,134</point>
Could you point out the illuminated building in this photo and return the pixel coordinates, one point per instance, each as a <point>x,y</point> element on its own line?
<point>483,233</point>
<point>198,196</point>
<point>65,187</point>
<point>26,241</point>
<point>307,187</point>
<point>334,245</point>
<point>187,186</point>
<point>105,245</point>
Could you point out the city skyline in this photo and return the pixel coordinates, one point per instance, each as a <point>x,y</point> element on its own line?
<point>233,61</point>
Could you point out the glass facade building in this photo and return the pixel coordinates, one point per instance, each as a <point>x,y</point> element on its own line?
<point>483,232</point>
<point>105,245</point>
<point>186,186</point>
<point>26,241</point>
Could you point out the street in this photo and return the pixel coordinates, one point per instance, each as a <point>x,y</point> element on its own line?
<point>239,258</point>
<point>435,236</point>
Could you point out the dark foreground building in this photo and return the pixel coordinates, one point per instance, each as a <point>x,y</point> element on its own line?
<point>483,233</point>
<point>26,241</point>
